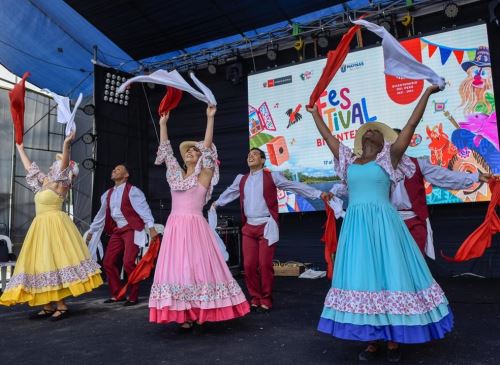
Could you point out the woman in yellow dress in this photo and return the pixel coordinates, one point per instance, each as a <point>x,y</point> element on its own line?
<point>54,262</point>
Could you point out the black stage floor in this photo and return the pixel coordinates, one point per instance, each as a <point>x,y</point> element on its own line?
<point>97,333</point>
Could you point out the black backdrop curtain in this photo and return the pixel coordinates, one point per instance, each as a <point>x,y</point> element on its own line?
<point>127,134</point>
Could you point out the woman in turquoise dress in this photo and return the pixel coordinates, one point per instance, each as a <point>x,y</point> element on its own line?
<point>382,289</point>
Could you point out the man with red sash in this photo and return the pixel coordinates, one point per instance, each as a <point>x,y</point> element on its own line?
<point>123,215</point>
<point>410,199</point>
<point>259,211</point>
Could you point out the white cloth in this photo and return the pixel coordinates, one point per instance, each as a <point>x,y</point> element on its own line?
<point>138,202</point>
<point>398,61</point>
<point>95,245</point>
<point>64,113</point>
<point>254,204</point>
<point>174,79</point>
<point>212,222</point>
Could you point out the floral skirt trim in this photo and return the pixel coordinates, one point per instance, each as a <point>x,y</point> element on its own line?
<point>393,302</point>
<point>55,279</point>
<point>206,292</point>
<point>21,294</point>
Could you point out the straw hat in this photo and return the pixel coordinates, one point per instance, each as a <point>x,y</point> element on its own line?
<point>185,146</point>
<point>389,134</point>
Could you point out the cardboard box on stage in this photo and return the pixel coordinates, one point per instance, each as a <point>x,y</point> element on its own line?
<point>290,268</point>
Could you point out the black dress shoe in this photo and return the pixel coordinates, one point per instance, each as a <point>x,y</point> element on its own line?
<point>63,314</point>
<point>111,301</point>
<point>394,355</point>
<point>129,303</point>
<point>43,313</point>
<point>366,355</point>
<point>254,308</point>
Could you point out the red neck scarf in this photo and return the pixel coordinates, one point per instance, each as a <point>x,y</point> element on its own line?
<point>475,245</point>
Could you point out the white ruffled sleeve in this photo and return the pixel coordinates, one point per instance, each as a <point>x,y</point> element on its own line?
<point>35,177</point>
<point>405,168</point>
<point>208,160</point>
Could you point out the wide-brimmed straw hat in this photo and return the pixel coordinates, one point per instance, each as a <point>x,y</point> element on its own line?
<point>184,146</point>
<point>389,134</point>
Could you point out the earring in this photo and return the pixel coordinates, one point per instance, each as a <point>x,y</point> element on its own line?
<point>184,166</point>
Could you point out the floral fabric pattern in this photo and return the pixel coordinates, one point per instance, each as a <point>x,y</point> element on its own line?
<point>385,302</point>
<point>175,179</point>
<point>57,278</point>
<point>35,177</point>
<point>195,292</point>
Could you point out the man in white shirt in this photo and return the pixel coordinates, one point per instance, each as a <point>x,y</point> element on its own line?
<point>259,210</point>
<point>123,215</point>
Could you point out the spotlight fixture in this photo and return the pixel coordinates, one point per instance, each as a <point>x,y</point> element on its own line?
<point>89,164</point>
<point>89,109</point>
<point>212,69</point>
<point>385,23</point>
<point>111,83</point>
<point>272,52</point>
<point>322,40</point>
<point>234,73</point>
<point>88,138</point>
<point>451,10</point>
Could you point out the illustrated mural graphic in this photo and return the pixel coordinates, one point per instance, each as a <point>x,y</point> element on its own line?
<point>458,130</point>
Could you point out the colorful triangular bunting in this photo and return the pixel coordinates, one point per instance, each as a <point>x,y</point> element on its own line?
<point>445,54</point>
<point>459,55</point>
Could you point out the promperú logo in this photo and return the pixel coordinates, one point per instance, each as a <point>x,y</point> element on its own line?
<point>351,66</point>
<point>277,82</point>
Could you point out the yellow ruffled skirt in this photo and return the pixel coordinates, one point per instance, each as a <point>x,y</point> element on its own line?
<point>54,262</point>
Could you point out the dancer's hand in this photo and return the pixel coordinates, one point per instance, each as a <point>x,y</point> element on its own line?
<point>211,110</point>
<point>433,89</point>
<point>70,138</point>
<point>153,233</point>
<point>164,118</point>
<point>214,205</point>
<point>484,177</point>
<point>89,237</point>
<point>326,196</point>
<point>313,110</point>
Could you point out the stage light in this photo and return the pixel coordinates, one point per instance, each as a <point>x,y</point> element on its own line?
<point>89,164</point>
<point>272,52</point>
<point>385,23</point>
<point>89,109</point>
<point>234,73</point>
<point>112,82</point>
<point>322,40</point>
<point>451,9</point>
<point>88,138</point>
<point>212,69</point>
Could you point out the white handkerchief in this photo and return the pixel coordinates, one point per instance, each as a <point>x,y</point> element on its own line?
<point>95,245</point>
<point>64,113</point>
<point>398,61</point>
<point>174,79</point>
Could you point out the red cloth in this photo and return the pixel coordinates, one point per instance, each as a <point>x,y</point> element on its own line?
<point>121,247</point>
<point>330,238</point>
<point>143,268</point>
<point>16,96</point>
<point>416,192</point>
<point>170,101</point>
<point>134,220</point>
<point>258,265</point>
<point>333,63</point>
<point>418,230</point>
<point>475,245</point>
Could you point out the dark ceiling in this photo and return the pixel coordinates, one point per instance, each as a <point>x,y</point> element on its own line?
<point>151,27</point>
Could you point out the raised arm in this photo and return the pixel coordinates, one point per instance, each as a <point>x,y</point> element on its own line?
<point>399,147</point>
<point>66,150</point>
<point>163,127</point>
<point>331,141</point>
<point>24,157</point>
<point>209,133</point>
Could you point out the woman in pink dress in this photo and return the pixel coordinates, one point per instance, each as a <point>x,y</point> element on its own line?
<point>192,283</point>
